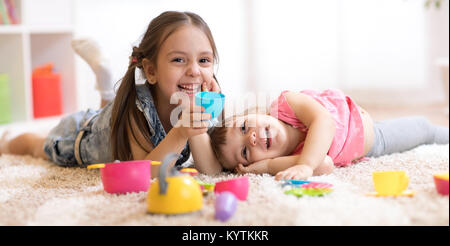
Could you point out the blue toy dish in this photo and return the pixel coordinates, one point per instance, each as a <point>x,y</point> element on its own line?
<point>213,102</point>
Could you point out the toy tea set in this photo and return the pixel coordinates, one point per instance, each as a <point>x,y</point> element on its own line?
<point>177,192</point>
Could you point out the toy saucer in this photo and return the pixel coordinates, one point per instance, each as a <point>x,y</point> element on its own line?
<point>205,187</point>
<point>408,193</point>
<point>299,192</point>
<point>311,189</point>
<point>294,182</point>
<point>190,171</point>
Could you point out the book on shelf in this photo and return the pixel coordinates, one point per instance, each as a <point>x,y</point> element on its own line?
<point>8,13</point>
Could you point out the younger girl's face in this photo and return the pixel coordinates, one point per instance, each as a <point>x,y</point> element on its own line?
<point>184,62</point>
<point>252,138</point>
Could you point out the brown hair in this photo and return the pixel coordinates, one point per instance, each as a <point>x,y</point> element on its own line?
<point>124,107</point>
<point>218,138</point>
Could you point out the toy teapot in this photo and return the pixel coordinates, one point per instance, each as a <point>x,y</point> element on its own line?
<point>174,194</point>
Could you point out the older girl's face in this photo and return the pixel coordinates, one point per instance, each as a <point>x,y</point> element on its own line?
<point>184,62</point>
<point>252,138</point>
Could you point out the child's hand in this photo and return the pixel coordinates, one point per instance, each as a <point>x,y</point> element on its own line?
<point>256,167</point>
<point>298,172</point>
<point>210,84</point>
<point>192,121</point>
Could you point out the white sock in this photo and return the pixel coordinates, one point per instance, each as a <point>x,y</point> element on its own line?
<point>90,51</point>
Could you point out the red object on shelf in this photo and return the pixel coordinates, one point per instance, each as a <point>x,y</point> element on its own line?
<point>46,92</point>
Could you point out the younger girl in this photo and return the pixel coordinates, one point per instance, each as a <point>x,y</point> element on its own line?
<point>309,131</point>
<point>176,55</point>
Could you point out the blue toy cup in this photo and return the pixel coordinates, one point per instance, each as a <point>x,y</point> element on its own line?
<point>213,102</point>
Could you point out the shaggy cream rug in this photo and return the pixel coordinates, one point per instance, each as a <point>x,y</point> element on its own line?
<point>37,192</point>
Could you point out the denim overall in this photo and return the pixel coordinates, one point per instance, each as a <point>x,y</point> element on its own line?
<point>83,138</point>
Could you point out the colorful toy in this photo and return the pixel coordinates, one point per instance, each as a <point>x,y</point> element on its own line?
<point>238,186</point>
<point>174,194</point>
<point>126,176</point>
<point>190,171</point>
<point>5,99</point>
<point>213,102</point>
<point>46,88</point>
<point>441,183</point>
<point>311,189</point>
<point>391,183</point>
<point>294,182</point>
<point>206,186</point>
<point>225,205</point>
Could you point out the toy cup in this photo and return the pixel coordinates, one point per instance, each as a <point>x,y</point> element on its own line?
<point>125,176</point>
<point>441,183</point>
<point>390,183</point>
<point>237,186</point>
<point>213,102</point>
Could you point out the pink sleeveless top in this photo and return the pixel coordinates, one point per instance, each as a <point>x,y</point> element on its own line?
<point>348,142</point>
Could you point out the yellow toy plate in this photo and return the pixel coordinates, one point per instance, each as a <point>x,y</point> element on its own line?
<point>408,193</point>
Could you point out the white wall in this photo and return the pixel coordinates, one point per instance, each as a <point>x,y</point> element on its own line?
<point>118,25</point>
<point>271,45</point>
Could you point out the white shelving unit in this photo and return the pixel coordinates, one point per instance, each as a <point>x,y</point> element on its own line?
<point>43,35</point>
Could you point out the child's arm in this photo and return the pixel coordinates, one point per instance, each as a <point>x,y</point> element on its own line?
<point>270,166</point>
<point>177,137</point>
<point>205,160</point>
<point>321,128</point>
<point>203,155</point>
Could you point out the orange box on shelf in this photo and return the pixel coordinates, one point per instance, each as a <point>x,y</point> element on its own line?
<point>46,92</point>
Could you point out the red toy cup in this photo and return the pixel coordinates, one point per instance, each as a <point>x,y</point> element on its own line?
<point>126,176</point>
<point>441,183</point>
<point>238,186</point>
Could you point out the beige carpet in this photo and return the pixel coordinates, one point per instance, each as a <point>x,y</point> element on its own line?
<point>36,192</point>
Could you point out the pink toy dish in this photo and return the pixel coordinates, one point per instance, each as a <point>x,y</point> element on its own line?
<point>125,176</point>
<point>237,186</point>
<point>441,183</point>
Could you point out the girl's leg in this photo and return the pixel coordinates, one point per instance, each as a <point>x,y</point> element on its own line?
<point>24,144</point>
<point>398,135</point>
<point>90,51</point>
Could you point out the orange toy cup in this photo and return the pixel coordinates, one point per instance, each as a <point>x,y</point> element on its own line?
<point>238,186</point>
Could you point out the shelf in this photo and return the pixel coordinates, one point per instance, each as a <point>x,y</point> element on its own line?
<point>51,30</point>
<point>18,29</point>
<point>11,29</point>
<point>11,48</point>
<point>44,36</point>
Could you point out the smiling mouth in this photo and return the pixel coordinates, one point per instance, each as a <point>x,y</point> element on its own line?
<point>268,139</point>
<point>190,88</point>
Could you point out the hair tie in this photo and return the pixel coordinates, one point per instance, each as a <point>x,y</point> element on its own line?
<point>134,59</point>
